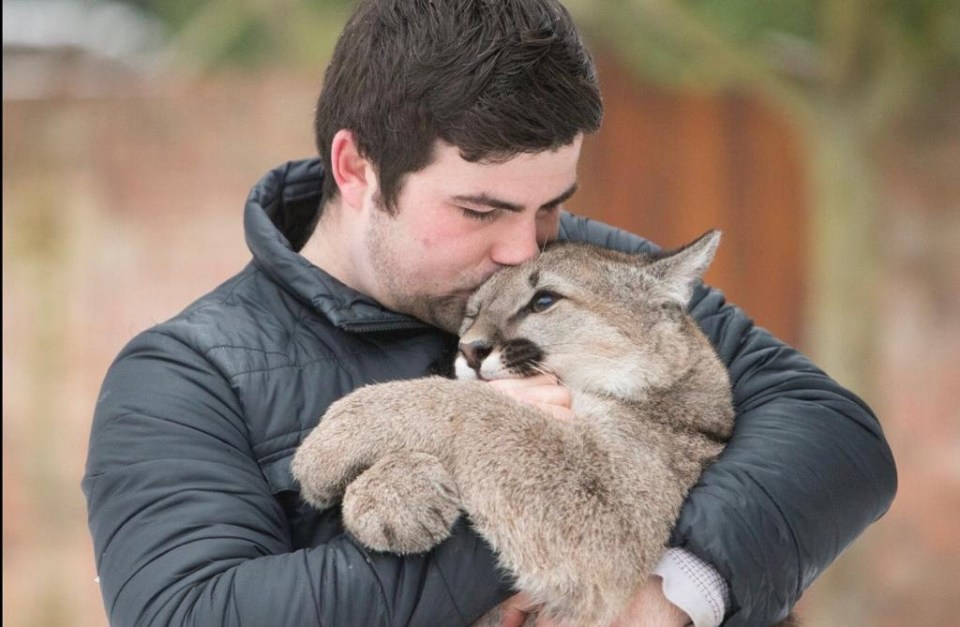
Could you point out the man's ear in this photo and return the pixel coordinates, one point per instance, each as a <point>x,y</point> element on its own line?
<point>353,173</point>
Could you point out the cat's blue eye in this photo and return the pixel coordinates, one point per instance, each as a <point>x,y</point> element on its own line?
<point>542,301</point>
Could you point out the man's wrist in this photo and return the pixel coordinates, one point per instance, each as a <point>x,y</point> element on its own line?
<point>676,614</point>
<point>651,608</point>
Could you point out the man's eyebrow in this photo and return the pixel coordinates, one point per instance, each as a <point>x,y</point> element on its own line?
<point>487,200</point>
<point>561,198</point>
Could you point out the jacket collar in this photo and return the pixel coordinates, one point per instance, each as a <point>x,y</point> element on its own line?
<point>282,208</point>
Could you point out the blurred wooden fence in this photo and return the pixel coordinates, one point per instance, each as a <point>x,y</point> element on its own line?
<point>670,166</point>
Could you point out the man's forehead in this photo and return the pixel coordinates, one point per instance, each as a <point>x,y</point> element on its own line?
<point>445,151</point>
<point>543,178</point>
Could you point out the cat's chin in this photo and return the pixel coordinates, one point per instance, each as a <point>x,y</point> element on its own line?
<point>463,371</point>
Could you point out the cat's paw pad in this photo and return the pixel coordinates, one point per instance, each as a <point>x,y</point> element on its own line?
<point>405,503</point>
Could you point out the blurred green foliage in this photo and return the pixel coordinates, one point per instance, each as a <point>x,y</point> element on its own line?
<point>783,47</point>
<point>745,19</point>
<point>211,35</point>
<point>668,40</point>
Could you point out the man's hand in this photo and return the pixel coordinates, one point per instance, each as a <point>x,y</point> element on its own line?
<point>649,608</point>
<point>514,611</point>
<point>543,391</point>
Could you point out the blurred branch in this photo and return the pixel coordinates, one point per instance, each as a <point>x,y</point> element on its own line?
<point>844,26</point>
<point>711,57</point>
<point>896,81</point>
<point>795,57</point>
<point>886,61</point>
<point>210,31</point>
<point>285,32</point>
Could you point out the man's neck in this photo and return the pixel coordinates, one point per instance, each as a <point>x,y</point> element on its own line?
<point>333,247</point>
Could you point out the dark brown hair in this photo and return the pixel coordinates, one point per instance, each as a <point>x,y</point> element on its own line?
<point>495,78</point>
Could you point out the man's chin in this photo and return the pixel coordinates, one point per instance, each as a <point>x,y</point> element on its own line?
<point>444,312</point>
<point>449,317</point>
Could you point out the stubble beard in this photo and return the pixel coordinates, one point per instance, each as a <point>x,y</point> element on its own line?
<point>444,311</point>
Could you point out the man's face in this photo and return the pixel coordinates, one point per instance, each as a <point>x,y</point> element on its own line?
<point>458,222</point>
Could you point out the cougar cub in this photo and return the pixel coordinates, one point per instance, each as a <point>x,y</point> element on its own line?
<point>578,511</point>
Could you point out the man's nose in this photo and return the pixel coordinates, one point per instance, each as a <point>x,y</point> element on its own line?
<point>517,246</point>
<point>475,353</point>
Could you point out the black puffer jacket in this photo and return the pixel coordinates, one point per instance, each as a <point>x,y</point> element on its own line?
<point>196,519</point>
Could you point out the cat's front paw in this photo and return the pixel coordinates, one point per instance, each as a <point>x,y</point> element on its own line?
<point>322,471</point>
<point>405,503</point>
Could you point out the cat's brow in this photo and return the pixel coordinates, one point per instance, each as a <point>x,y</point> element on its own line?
<point>534,278</point>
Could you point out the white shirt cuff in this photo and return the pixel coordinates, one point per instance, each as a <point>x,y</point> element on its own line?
<point>694,586</point>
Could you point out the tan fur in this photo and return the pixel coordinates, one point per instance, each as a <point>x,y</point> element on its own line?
<point>579,511</point>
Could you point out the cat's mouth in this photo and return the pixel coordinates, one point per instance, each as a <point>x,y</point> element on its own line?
<point>490,369</point>
<point>467,372</point>
<point>515,359</point>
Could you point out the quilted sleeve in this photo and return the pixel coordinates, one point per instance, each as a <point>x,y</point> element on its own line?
<point>187,532</point>
<point>806,471</point>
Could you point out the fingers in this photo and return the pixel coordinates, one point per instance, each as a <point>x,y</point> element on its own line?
<point>559,412</point>
<point>514,611</point>
<point>549,394</point>
<point>651,608</point>
<point>512,617</point>
<point>524,382</point>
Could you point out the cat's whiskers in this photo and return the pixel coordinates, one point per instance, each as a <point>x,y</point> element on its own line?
<point>554,344</point>
<point>591,349</point>
<point>542,369</point>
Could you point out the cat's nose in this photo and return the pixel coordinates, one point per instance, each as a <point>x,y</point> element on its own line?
<point>475,353</point>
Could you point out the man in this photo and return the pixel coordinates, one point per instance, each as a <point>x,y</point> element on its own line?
<point>449,133</point>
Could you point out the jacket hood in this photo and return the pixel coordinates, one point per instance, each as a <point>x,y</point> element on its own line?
<point>280,215</point>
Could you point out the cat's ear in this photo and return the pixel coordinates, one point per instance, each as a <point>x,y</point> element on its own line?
<point>682,269</point>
